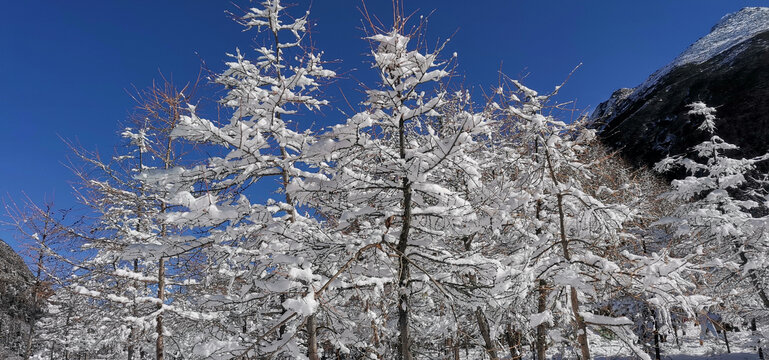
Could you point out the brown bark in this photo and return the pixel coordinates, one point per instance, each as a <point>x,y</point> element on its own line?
<point>404,339</point>
<point>455,348</point>
<point>657,354</point>
<point>312,341</point>
<point>541,304</point>
<point>483,325</point>
<point>513,339</point>
<point>579,322</point>
<point>159,350</point>
<point>542,328</point>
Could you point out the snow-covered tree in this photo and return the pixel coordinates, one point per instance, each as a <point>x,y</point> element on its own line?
<point>395,181</point>
<point>260,257</point>
<point>42,229</point>
<point>422,226</point>
<point>714,222</point>
<point>575,227</point>
<point>126,247</point>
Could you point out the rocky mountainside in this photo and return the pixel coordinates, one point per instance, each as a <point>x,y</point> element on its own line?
<point>16,303</point>
<point>727,69</point>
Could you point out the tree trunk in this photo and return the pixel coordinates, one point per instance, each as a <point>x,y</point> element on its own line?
<point>760,351</point>
<point>514,343</point>
<point>656,337</point>
<point>312,341</point>
<point>159,351</point>
<point>456,346</point>
<point>134,312</point>
<point>36,300</point>
<point>28,350</point>
<point>483,325</point>
<point>675,332</point>
<point>404,338</point>
<point>542,328</point>
<point>541,341</point>
<point>578,320</point>
<point>451,352</point>
<point>131,346</point>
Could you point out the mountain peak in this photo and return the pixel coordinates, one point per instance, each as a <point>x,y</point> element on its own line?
<point>728,68</point>
<point>731,30</point>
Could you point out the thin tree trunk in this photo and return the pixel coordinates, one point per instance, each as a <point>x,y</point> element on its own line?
<point>542,328</point>
<point>66,334</point>
<point>753,328</point>
<point>131,345</point>
<point>675,332</point>
<point>514,343</point>
<point>541,304</point>
<point>28,349</point>
<point>578,320</point>
<point>159,351</point>
<point>483,325</point>
<point>312,341</point>
<point>656,337</point>
<point>581,328</point>
<point>311,326</point>
<point>132,342</point>
<point>456,346</point>
<point>404,339</point>
<point>36,297</point>
<point>159,345</point>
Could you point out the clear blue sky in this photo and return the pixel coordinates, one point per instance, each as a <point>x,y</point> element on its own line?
<point>65,66</point>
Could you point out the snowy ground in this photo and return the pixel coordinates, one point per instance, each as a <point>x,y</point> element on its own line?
<point>690,347</point>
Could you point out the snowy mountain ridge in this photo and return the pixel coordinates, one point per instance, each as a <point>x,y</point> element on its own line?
<point>731,30</point>
<point>727,69</point>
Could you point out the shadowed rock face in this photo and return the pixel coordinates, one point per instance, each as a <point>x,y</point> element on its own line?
<point>12,267</point>
<point>16,282</point>
<point>650,122</point>
<point>16,303</point>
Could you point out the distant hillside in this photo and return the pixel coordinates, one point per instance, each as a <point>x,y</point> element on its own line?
<point>727,69</point>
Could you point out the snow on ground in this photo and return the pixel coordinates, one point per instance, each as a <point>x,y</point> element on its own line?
<point>690,347</point>
<point>734,356</point>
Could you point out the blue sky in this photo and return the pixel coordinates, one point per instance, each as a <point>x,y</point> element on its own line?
<point>66,66</point>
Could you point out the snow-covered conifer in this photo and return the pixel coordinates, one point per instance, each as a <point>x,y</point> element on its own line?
<point>713,219</point>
